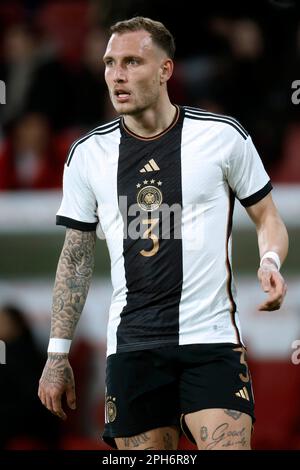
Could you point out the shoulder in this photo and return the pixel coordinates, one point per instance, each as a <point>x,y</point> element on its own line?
<point>221,122</point>
<point>102,130</point>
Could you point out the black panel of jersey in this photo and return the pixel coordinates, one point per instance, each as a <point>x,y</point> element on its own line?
<point>154,290</point>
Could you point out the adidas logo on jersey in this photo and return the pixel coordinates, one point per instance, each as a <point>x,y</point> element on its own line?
<point>150,166</point>
<point>243,393</point>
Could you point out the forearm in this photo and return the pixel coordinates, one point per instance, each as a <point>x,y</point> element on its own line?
<point>272,236</point>
<point>73,278</point>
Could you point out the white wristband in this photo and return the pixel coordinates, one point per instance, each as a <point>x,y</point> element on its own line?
<point>272,255</point>
<point>59,345</point>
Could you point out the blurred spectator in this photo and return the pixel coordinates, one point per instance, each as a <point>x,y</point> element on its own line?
<point>29,158</point>
<point>19,56</point>
<point>23,418</point>
<point>65,24</point>
<point>244,83</point>
<point>253,94</point>
<point>35,79</point>
<point>88,86</point>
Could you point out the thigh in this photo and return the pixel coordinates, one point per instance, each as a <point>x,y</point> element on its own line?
<point>141,396</point>
<point>216,378</point>
<point>165,438</point>
<point>220,429</point>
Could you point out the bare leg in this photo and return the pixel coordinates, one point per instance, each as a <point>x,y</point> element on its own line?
<point>220,429</point>
<point>157,439</point>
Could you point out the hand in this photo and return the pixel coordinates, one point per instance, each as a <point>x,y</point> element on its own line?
<point>273,283</point>
<point>57,379</point>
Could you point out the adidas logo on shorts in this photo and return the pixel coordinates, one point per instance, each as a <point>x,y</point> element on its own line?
<point>243,393</point>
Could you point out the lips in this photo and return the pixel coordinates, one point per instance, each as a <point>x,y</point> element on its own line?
<point>122,95</point>
<point>121,92</point>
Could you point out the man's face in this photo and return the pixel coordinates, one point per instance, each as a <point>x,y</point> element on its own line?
<point>133,70</point>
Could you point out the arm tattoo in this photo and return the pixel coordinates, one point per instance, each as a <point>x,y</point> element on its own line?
<point>58,370</point>
<point>73,278</point>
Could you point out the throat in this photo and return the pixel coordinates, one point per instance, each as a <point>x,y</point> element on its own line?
<point>151,127</point>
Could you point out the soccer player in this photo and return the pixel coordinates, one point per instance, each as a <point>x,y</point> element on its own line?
<point>161,181</point>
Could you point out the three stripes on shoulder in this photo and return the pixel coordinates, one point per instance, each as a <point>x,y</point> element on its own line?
<point>100,130</point>
<point>201,115</point>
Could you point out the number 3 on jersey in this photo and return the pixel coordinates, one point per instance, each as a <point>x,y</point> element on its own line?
<point>149,235</point>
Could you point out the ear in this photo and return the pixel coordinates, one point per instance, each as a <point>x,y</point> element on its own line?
<point>166,70</point>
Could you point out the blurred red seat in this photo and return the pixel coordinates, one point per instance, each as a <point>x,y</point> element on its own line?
<point>24,443</point>
<point>276,392</point>
<point>185,444</point>
<point>288,169</point>
<point>66,23</point>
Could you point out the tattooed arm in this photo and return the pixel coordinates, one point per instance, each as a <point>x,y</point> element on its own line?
<point>73,277</point>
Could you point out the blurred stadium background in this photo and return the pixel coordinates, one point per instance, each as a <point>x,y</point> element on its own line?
<point>234,58</point>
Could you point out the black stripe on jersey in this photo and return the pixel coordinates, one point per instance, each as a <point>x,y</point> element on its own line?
<point>150,317</point>
<point>200,118</point>
<point>76,224</point>
<point>217,120</point>
<point>98,128</point>
<point>256,197</point>
<point>228,266</point>
<point>100,131</point>
<point>202,112</point>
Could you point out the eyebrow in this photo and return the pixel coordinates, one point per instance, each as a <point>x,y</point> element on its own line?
<point>106,57</point>
<point>130,56</point>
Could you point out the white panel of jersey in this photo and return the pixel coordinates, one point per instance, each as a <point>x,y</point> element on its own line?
<point>166,289</point>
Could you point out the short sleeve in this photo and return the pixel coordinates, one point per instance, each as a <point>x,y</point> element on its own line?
<point>246,174</point>
<point>78,209</point>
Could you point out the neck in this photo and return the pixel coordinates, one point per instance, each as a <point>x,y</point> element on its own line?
<point>151,121</point>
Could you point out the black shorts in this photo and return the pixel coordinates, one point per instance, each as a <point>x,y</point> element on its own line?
<point>154,388</point>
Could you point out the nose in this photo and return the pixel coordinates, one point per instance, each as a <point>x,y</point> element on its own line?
<point>119,74</point>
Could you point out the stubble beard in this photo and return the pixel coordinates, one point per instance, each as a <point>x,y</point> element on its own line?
<point>135,109</point>
<point>131,110</point>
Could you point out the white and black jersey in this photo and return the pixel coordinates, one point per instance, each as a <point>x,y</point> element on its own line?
<point>165,206</point>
